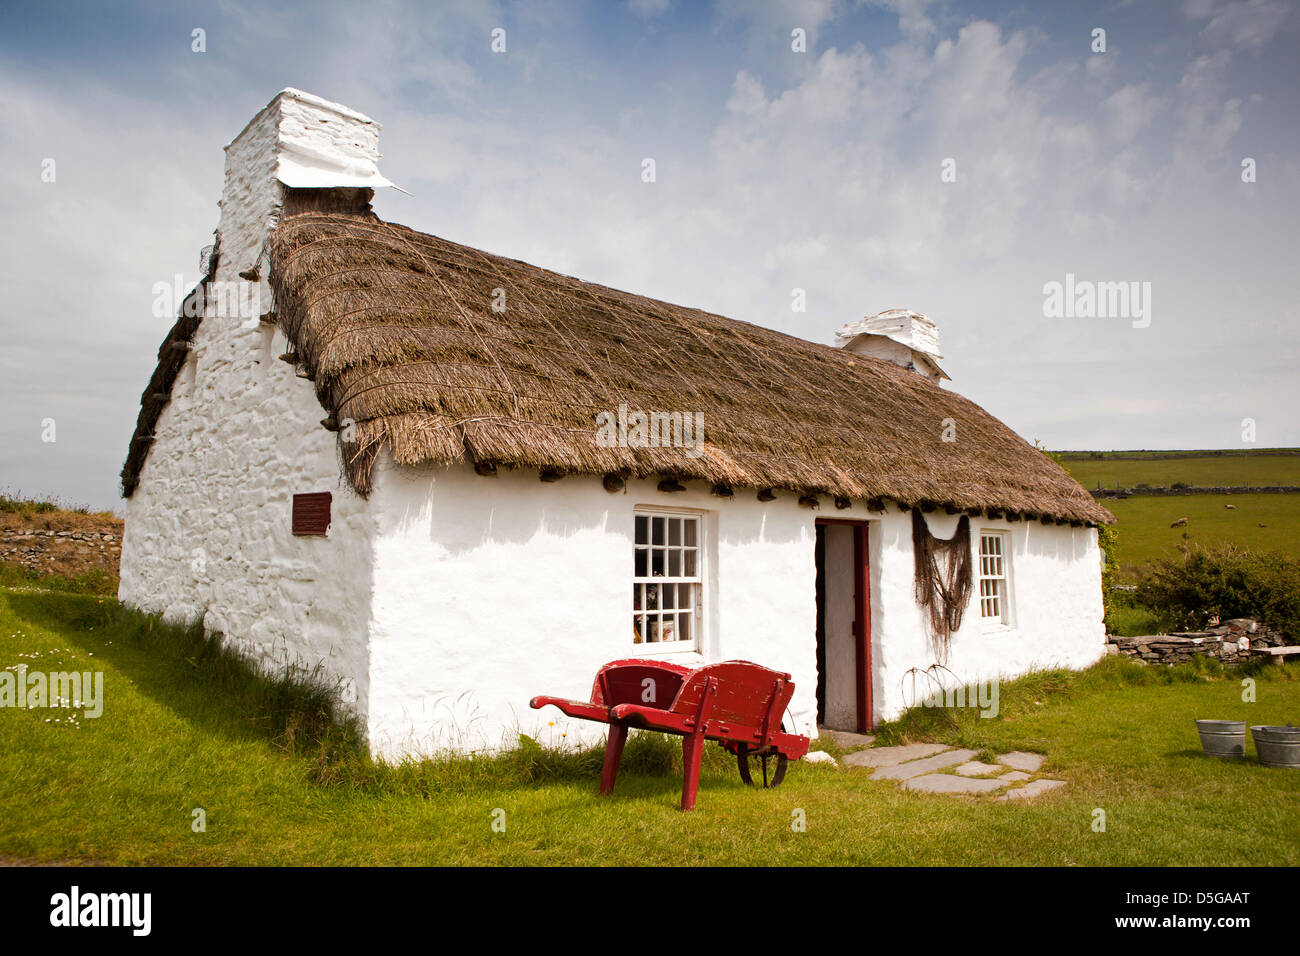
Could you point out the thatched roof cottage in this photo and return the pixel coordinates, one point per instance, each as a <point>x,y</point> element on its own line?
<point>450,480</point>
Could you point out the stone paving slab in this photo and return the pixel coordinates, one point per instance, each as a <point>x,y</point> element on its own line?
<point>891,756</point>
<point>1014,776</point>
<point>947,783</point>
<point>914,768</point>
<point>978,768</point>
<point>1019,760</point>
<point>845,740</point>
<point>1032,789</point>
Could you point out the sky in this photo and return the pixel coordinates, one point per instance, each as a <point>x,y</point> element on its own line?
<point>952,158</point>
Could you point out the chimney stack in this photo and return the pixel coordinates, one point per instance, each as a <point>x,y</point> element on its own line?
<point>296,142</point>
<point>901,336</point>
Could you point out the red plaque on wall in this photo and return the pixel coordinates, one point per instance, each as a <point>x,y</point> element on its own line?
<point>311,513</point>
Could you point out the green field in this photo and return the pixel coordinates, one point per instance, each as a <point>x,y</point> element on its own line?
<point>1144,520</point>
<point>1145,532</point>
<point>1162,469</point>
<point>179,731</point>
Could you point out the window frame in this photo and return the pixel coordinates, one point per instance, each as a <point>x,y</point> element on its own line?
<point>1005,619</point>
<point>700,612</point>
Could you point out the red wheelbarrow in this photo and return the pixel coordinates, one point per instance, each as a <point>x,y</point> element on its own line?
<point>737,703</point>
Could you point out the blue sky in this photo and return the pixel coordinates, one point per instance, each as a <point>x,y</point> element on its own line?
<point>776,170</point>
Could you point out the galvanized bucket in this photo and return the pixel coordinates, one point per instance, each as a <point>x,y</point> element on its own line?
<point>1277,746</point>
<point>1223,738</point>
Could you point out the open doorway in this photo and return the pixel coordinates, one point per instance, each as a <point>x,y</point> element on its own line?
<point>843,626</point>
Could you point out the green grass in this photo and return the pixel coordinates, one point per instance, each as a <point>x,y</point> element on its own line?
<point>14,575</point>
<point>186,725</point>
<point>1132,620</point>
<point>1145,532</point>
<point>16,504</point>
<point>1203,470</point>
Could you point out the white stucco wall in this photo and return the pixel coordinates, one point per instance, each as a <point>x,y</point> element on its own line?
<point>492,590</point>
<point>208,529</point>
<point>1055,583</point>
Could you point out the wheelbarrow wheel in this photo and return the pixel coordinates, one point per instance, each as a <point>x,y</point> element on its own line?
<point>771,767</point>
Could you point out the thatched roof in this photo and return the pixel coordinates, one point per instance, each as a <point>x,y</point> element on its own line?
<point>171,359</point>
<point>397,329</point>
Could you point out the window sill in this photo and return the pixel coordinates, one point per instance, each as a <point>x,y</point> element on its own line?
<point>992,630</point>
<point>659,649</point>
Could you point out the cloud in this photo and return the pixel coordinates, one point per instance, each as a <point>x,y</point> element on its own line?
<point>821,172</point>
<point>1240,24</point>
<point>1131,109</point>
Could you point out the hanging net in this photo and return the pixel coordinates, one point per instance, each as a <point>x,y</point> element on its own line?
<point>943,579</point>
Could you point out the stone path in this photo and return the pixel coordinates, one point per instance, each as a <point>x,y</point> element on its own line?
<point>937,768</point>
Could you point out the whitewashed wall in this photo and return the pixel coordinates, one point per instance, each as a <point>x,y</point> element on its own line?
<point>1055,598</point>
<point>208,529</point>
<point>493,590</point>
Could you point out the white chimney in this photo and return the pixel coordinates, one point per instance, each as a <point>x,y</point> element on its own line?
<point>299,141</point>
<point>901,336</point>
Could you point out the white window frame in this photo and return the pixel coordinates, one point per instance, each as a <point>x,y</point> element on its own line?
<point>643,616</point>
<point>995,570</point>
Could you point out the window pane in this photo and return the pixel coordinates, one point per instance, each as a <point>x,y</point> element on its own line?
<point>666,547</point>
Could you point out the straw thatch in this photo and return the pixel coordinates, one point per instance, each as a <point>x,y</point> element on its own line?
<point>171,359</point>
<point>399,333</point>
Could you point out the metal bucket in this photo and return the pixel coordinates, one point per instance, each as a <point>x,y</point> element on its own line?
<point>1222,738</point>
<point>1277,746</point>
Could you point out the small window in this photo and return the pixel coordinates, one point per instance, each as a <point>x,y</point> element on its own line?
<point>667,580</point>
<point>993,578</point>
<point>311,513</point>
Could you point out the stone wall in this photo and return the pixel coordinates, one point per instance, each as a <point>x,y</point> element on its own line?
<point>1230,642</point>
<point>97,546</point>
<point>1197,490</point>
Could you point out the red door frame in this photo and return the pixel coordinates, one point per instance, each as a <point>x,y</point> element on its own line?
<point>861,617</point>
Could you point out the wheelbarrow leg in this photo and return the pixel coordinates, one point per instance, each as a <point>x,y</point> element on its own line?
<point>692,751</point>
<point>613,754</point>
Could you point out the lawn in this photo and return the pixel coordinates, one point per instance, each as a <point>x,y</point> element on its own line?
<point>1162,469</point>
<point>183,728</point>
